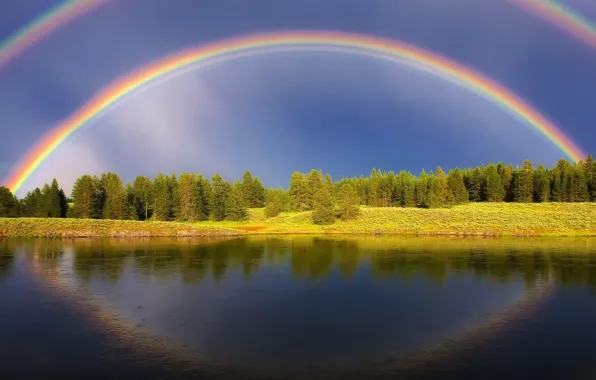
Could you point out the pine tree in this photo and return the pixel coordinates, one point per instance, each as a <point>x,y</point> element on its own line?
<point>187,197</point>
<point>457,187</point>
<point>541,185</point>
<point>434,198</point>
<point>324,207</point>
<point>506,174</point>
<point>523,183</point>
<point>235,208</point>
<point>8,203</point>
<point>421,190</point>
<point>298,192</point>
<point>590,170</point>
<point>373,189</point>
<point>580,184</point>
<point>203,197</point>
<point>115,197</point>
<point>130,202</point>
<point>348,202</point>
<point>494,191</point>
<point>248,191</point>
<point>84,193</point>
<point>274,202</point>
<point>476,184</point>
<point>328,182</point>
<point>259,193</point>
<point>160,195</point>
<point>445,194</point>
<point>142,189</point>
<point>314,181</point>
<point>219,197</point>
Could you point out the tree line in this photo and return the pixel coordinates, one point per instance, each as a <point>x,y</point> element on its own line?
<point>193,197</point>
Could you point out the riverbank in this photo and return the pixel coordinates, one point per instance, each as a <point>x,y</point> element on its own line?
<point>475,219</point>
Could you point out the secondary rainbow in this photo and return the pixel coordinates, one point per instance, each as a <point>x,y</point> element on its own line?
<point>563,17</point>
<point>367,45</point>
<point>44,24</point>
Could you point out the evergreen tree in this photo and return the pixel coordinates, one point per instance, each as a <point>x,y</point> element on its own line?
<point>373,189</point>
<point>115,197</point>
<point>187,197</point>
<point>494,191</point>
<point>142,189</point>
<point>421,190</point>
<point>248,190</point>
<point>348,202</point>
<point>314,181</point>
<point>523,183</point>
<point>327,181</point>
<point>590,170</point>
<point>259,193</point>
<point>219,197</point>
<point>445,194</point>
<point>506,174</point>
<point>274,202</point>
<point>434,198</point>
<point>84,193</point>
<point>235,208</point>
<point>324,207</point>
<point>8,203</point>
<point>476,184</point>
<point>541,185</point>
<point>298,192</point>
<point>203,197</point>
<point>160,195</point>
<point>580,185</point>
<point>457,187</point>
<point>130,202</point>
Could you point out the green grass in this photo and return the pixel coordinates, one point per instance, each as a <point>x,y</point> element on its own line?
<point>478,219</point>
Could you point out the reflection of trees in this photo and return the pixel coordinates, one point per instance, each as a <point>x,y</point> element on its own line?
<point>6,260</point>
<point>315,258</point>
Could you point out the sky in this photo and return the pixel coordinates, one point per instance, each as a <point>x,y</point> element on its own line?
<point>284,111</point>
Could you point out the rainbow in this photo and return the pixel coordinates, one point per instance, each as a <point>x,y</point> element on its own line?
<point>563,17</point>
<point>229,49</point>
<point>44,24</point>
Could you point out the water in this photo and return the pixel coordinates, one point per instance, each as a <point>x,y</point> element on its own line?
<point>298,307</point>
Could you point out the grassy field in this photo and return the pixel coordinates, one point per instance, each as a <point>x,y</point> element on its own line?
<point>478,219</point>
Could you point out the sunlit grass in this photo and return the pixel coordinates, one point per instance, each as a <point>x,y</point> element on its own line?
<point>482,219</point>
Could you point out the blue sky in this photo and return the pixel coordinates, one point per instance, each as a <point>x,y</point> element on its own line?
<point>280,112</point>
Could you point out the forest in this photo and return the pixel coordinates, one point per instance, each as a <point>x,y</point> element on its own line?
<point>193,197</point>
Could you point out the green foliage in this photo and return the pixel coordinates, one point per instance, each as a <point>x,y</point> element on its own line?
<point>348,202</point>
<point>277,201</point>
<point>142,189</point>
<point>457,187</point>
<point>494,191</point>
<point>235,208</point>
<point>299,192</point>
<point>324,207</point>
<point>523,183</point>
<point>84,194</point>
<point>541,184</point>
<point>186,207</point>
<point>115,206</point>
<point>421,190</point>
<point>219,197</point>
<point>8,203</point>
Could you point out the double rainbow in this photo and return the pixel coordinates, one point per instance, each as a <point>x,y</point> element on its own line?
<point>267,42</point>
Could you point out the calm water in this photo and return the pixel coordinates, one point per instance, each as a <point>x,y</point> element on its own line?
<point>304,307</point>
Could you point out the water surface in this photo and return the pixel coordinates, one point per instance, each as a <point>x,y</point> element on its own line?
<point>297,307</point>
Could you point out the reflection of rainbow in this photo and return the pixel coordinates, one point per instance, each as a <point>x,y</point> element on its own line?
<point>44,24</point>
<point>219,51</point>
<point>57,279</point>
<point>563,17</point>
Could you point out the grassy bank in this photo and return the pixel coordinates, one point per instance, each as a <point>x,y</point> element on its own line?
<point>479,219</point>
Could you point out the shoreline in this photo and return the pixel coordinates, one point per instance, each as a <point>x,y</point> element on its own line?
<point>472,220</point>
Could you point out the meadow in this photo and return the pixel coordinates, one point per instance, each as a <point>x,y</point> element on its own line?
<point>473,219</point>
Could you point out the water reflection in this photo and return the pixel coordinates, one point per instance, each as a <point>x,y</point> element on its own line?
<point>286,302</point>
<point>569,262</point>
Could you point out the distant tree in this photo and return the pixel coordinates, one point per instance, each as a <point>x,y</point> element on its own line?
<point>421,190</point>
<point>115,197</point>
<point>130,202</point>
<point>235,208</point>
<point>314,180</point>
<point>590,170</point>
<point>434,198</point>
<point>84,193</point>
<point>299,192</point>
<point>445,195</point>
<point>259,193</point>
<point>328,182</point>
<point>494,191</point>
<point>476,184</point>
<point>523,183</point>
<point>348,202</point>
<point>161,194</point>
<point>506,174</point>
<point>8,203</point>
<point>541,184</point>
<point>187,196</point>
<point>203,196</point>
<point>142,188</point>
<point>219,197</point>
<point>373,189</point>
<point>324,207</point>
<point>248,190</point>
<point>457,187</point>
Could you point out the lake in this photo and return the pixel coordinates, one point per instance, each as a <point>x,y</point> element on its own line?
<point>298,307</point>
